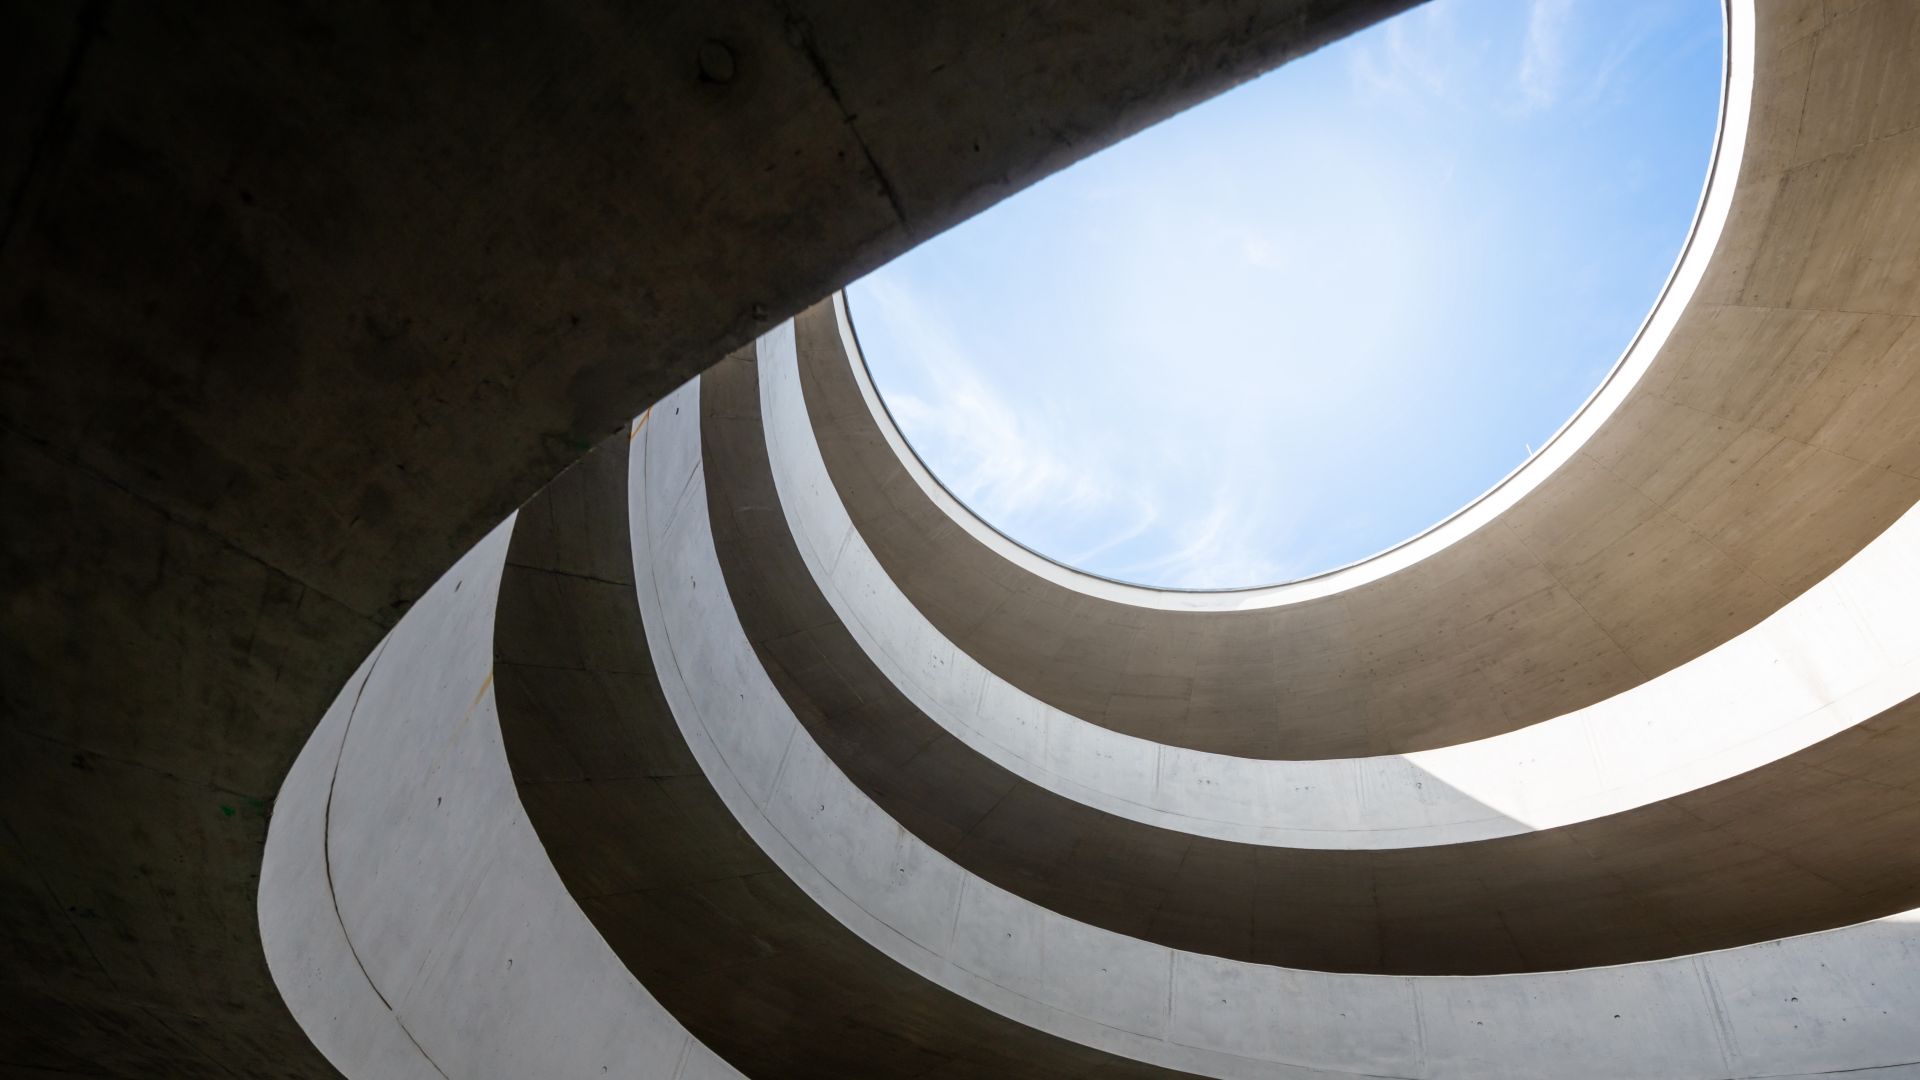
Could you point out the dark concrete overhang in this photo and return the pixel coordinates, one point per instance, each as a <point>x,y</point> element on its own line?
<point>299,302</point>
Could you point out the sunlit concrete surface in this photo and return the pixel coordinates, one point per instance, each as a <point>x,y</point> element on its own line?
<point>1750,443</point>
<point>1183,1010</point>
<point>1653,881</point>
<point>1838,654</point>
<point>328,752</point>
<point>301,302</point>
<point>408,911</point>
<point>1735,1013</point>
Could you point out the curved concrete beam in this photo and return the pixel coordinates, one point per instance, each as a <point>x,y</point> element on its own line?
<point>697,912</point>
<point>1842,652</point>
<point>300,300</point>
<point>1769,440</point>
<point>1793,1006</point>
<point>1824,1003</point>
<point>410,916</point>
<point>425,941</point>
<point>306,944</point>
<point>1589,893</point>
<point>1703,237</point>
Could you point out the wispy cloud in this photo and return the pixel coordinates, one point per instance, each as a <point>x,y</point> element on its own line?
<point>1227,544</point>
<point>1396,64</point>
<point>1015,468</point>
<point>1421,57</point>
<point>1016,465</point>
<point>1259,252</point>
<point>1157,366</point>
<point>1011,468</point>
<point>1543,58</point>
<point>1426,58</point>
<point>1146,517</point>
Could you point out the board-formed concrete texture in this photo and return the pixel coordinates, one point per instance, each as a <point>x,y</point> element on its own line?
<point>741,749</point>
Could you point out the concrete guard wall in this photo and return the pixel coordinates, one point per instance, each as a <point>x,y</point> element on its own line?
<point>411,917</point>
<point>1820,1004</point>
<point>1831,658</point>
<point>416,927</point>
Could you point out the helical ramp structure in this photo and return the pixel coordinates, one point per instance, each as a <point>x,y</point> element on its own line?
<point>745,749</point>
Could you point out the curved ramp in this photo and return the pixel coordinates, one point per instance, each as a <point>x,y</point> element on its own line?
<point>739,752</point>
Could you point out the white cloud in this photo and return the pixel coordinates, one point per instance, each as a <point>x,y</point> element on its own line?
<point>1258,252</point>
<point>1011,469</point>
<point>1159,369</point>
<point>1145,517</point>
<point>1426,57</point>
<point>1421,57</point>
<point>1014,468</point>
<point>1397,64</point>
<point>1228,544</point>
<point>1015,465</point>
<point>1543,59</point>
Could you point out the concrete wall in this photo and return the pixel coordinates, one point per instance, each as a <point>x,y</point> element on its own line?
<point>387,913</point>
<point>1767,439</point>
<point>1722,865</point>
<point>1821,1004</point>
<point>1842,652</point>
<point>263,407</point>
<point>410,915</point>
<point>300,300</point>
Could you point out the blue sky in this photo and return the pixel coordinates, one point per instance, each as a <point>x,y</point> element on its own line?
<point>1309,319</point>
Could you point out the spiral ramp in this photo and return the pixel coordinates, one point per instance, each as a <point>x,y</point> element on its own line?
<point>744,749</point>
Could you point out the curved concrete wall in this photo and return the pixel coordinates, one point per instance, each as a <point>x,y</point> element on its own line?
<point>1743,1012</point>
<point>301,300</point>
<point>1718,866</point>
<point>677,774</point>
<point>1770,438</point>
<point>1838,654</point>
<point>696,911</point>
<point>409,913</point>
<point>387,939</point>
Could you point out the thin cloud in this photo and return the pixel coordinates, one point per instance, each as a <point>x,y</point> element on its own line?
<point>1259,252</point>
<point>1146,516</point>
<point>1159,368</point>
<point>1015,467</point>
<point>1419,57</point>
<point>1543,60</point>
<point>1228,544</point>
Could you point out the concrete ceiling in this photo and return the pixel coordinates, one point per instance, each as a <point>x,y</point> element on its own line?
<point>300,300</point>
<point>1766,445</point>
<point>1728,864</point>
<point>711,926</point>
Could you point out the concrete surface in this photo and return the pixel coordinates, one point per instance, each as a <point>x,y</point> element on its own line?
<point>1721,865</point>
<point>1823,1003</point>
<point>408,911</point>
<point>299,301</point>
<point>1818,1004</point>
<point>1839,654</point>
<point>1770,437</point>
<point>693,907</point>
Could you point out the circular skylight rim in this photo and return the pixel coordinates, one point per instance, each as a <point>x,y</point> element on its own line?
<point>1643,347</point>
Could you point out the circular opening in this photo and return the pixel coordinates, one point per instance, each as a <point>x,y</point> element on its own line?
<point>1307,320</point>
